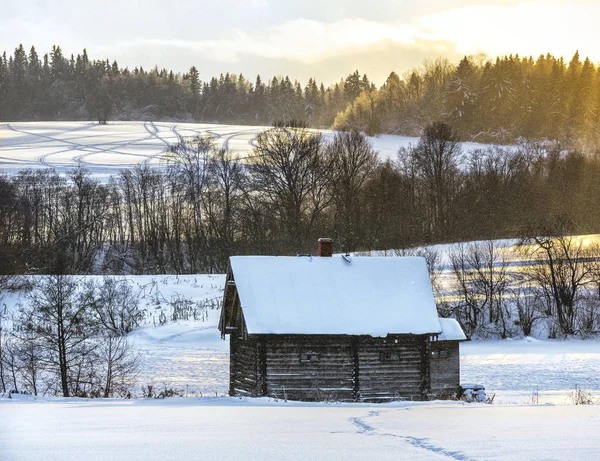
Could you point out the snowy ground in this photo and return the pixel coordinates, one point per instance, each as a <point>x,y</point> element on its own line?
<point>190,356</point>
<point>106,149</point>
<point>226,428</point>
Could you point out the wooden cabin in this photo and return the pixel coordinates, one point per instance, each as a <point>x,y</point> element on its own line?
<point>337,328</point>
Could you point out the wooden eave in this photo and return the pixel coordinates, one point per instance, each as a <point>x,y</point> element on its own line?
<point>232,316</point>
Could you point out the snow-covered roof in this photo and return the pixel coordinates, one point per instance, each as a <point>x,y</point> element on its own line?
<point>329,295</point>
<point>451,331</point>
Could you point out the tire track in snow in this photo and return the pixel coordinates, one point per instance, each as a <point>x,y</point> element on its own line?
<point>46,137</point>
<point>176,133</point>
<point>183,333</point>
<point>111,149</point>
<point>226,137</point>
<point>66,144</point>
<point>417,442</point>
<point>90,149</point>
<point>154,132</point>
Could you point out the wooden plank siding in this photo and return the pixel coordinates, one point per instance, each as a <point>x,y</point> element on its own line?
<point>331,367</point>
<point>445,369</point>
<point>309,367</point>
<point>393,368</point>
<point>244,376</point>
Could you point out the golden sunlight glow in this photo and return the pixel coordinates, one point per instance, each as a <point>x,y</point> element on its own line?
<point>527,29</point>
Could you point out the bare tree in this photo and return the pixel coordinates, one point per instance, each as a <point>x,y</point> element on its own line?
<point>119,364</point>
<point>291,174</point>
<point>352,162</point>
<point>226,182</point>
<point>59,316</point>
<point>188,164</point>
<point>490,265</point>
<point>529,306</point>
<point>563,267</point>
<point>467,308</point>
<point>10,363</point>
<point>436,161</point>
<point>3,340</point>
<point>480,281</point>
<point>30,361</point>
<point>116,306</point>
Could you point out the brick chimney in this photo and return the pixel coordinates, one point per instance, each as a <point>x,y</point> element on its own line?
<point>325,247</point>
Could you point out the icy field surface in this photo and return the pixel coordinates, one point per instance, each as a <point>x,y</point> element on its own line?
<point>187,357</point>
<point>106,149</point>
<point>260,429</point>
<point>515,369</point>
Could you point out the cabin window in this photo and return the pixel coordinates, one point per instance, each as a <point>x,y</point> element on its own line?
<point>309,357</point>
<point>440,354</point>
<point>386,356</point>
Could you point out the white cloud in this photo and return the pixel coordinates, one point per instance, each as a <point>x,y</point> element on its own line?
<point>528,29</point>
<point>302,39</point>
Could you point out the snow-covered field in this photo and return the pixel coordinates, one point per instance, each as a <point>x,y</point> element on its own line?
<point>106,149</point>
<point>248,430</point>
<point>190,356</point>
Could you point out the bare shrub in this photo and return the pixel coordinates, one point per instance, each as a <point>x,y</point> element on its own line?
<point>185,308</point>
<point>117,306</point>
<point>480,280</point>
<point>581,397</point>
<point>528,306</point>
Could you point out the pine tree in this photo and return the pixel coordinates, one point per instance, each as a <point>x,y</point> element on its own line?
<point>461,96</point>
<point>353,86</point>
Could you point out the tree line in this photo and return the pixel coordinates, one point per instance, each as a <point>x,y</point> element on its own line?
<point>483,100</point>
<point>206,204</point>
<point>491,101</point>
<point>59,87</point>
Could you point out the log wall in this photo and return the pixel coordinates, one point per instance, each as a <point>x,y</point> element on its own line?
<point>244,376</point>
<point>331,367</point>
<point>309,367</point>
<point>393,368</point>
<point>445,369</point>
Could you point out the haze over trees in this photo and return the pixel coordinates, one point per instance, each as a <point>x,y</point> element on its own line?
<point>500,101</point>
<point>206,204</point>
<point>497,101</point>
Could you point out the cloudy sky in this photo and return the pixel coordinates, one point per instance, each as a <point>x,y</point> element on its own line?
<point>326,39</point>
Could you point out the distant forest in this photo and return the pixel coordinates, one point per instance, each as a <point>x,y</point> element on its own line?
<point>498,101</point>
<point>206,205</point>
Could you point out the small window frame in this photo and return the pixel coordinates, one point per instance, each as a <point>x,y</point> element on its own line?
<point>387,357</point>
<point>309,357</point>
<point>437,354</point>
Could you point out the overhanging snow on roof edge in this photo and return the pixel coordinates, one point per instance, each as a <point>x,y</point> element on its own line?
<point>451,331</point>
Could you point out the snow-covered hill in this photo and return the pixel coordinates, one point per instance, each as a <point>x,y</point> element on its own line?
<point>106,149</point>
